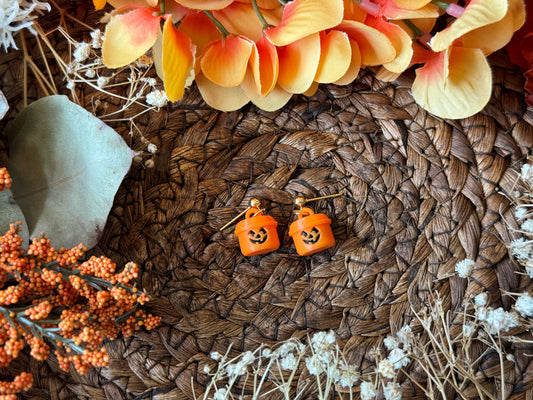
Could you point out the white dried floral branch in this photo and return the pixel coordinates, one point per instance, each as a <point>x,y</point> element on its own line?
<point>447,359</point>
<point>16,15</point>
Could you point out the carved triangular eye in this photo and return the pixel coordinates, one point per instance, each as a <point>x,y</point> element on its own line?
<point>312,237</point>
<point>258,237</point>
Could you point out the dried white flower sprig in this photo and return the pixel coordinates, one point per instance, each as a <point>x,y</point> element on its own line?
<point>16,15</point>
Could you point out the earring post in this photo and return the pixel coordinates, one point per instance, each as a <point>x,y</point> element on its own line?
<point>254,203</point>
<point>300,200</point>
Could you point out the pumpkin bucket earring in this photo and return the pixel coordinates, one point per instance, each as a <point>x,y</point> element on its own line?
<point>257,232</point>
<point>311,232</point>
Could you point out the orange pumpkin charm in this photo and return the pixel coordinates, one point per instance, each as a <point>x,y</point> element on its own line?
<point>311,232</point>
<point>257,233</point>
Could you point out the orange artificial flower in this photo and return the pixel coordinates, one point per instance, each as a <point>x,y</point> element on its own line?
<point>133,30</point>
<point>454,83</point>
<point>478,13</point>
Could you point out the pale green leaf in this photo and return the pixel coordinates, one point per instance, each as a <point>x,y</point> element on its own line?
<point>66,167</point>
<point>10,213</point>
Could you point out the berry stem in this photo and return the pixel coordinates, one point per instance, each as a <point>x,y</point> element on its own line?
<point>95,282</point>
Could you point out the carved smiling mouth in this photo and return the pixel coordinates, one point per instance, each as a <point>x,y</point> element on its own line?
<point>258,237</point>
<point>311,237</point>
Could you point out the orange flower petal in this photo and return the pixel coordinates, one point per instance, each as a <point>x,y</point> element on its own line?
<point>178,60</point>
<point>221,98</point>
<point>375,47</point>
<point>518,11</point>
<point>224,62</point>
<point>128,36</point>
<point>298,63</point>
<point>400,40</point>
<point>335,56</point>
<point>264,4</point>
<point>200,29</point>
<point>455,83</point>
<point>353,12</point>
<point>240,19</point>
<point>205,4</point>
<point>304,17</point>
<point>264,64</point>
<point>355,66</point>
<point>478,13</point>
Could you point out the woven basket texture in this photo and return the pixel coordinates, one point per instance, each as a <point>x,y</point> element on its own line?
<point>419,194</point>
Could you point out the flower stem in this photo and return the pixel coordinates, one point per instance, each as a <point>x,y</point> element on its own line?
<point>440,4</point>
<point>162,6</point>
<point>266,25</point>
<point>416,30</point>
<point>219,26</point>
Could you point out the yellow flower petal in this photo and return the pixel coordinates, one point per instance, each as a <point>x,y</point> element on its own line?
<point>221,98</point>
<point>178,60</point>
<point>312,90</point>
<point>391,11</point>
<point>224,62</point>
<point>128,36</point>
<point>273,101</point>
<point>492,37</point>
<point>355,66</point>
<point>478,13</point>
<point>375,47</point>
<point>304,17</point>
<point>386,76</point>
<point>298,63</point>
<point>412,4</point>
<point>335,56</point>
<point>455,83</point>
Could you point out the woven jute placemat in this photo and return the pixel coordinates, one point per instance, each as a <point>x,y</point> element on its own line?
<point>418,194</point>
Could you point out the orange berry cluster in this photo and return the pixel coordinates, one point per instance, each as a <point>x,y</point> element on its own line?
<point>5,179</point>
<point>52,299</point>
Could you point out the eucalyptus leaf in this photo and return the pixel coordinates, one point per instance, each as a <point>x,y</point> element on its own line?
<point>3,105</point>
<point>66,167</point>
<point>10,213</point>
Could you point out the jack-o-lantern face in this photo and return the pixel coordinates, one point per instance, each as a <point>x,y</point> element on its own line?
<point>259,237</point>
<point>311,237</point>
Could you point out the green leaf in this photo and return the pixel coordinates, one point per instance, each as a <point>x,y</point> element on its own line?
<point>66,167</point>
<point>10,213</point>
<point>3,105</point>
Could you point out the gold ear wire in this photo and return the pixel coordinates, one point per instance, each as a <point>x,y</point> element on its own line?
<point>300,201</point>
<point>254,203</point>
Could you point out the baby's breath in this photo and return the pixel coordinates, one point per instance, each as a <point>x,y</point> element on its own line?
<point>392,391</point>
<point>465,267</point>
<point>16,15</point>
<point>524,305</point>
<point>368,391</point>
